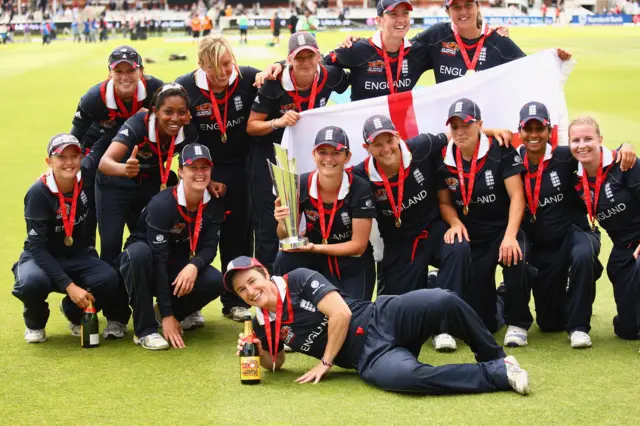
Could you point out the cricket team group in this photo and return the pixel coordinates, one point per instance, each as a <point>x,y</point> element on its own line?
<point>464,202</point>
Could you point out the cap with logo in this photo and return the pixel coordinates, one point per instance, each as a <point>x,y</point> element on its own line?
<point>334,136</point>
<point>59,142</point>
<point>125,54</point>
<point>300,41</point>
<point>240,263</point>
<point>376,125</point>
<point>386,6</point>
<point>465,109</point>
<point>534,111</point>
<point>193,152</point>
<point>448,3</point>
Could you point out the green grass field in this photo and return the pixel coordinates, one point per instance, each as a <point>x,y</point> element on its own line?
<point>118,383</point>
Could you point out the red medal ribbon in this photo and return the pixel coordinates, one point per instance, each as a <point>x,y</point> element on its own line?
<point>466,195</point>
<point>165,171</point>
<point>69,221</point>
<point>326,231</point>
<point>267,328</point>
<point>586,190</point>
<point>122,109</point>
<point>395,208</point>
<point>387,65</point>
<point>214,106</point>
<point>193,239</point>
<point>471,65</point>
<point>297,99</point>
<point>533,200</point>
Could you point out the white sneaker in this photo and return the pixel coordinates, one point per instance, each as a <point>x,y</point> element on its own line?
<point>237,313</point>
<point>153,342</point>
<point>35,336</point>
<point>515,337</point>
<point>114,330</point>
<point>197,318</point>
<point>288,348</point>
<point>579,340</point>
<point>187,323</point>
<point>444,343</point>
<point>75,329</point>
<point>517,377</point>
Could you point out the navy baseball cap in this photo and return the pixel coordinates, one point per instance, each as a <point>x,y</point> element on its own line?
<point>300,41</point>
<point>465,109</point>
<point>534,111</point>
<point>125,54</point>
<point>193,152</point>
<point>376,125</point>
<point>448,3</point>
<point>240,263</point>
<point>334,136</point>
<point>388,5</point>
<point>59,142</point>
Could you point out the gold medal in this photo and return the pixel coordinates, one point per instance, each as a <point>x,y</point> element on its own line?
<point>398,222</point>
<point>163,186</point>
<point>533,219</point>
<point>465,210</point>
<point>192,255</point>
<point>224,137</point>
<point>68,241</point>
<point>324,241</point>
<point>470,72</point>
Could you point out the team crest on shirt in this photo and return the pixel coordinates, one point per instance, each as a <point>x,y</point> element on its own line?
<point>312,215</point>
<point>287,107</point>
<point>237,101</point>
<point>145,153</point>
<point>483,55</point>
<point>346,219</point>
<point>381,194</point>
<point>307,306</point>
<point>84,198</point>
<point>488,178</point>
<point>608,192</point>
<point>517,160</point>
<point>59,211</point>
<point>177,228</point>
<point>376,67</point>
<point>452,183</point>
<point>405,66</point>
<point>555,179</point>
<point>108,124</point>
<point>417,175</point>
<point>203,110</point>
<point>286,335</point>
<point>323,102</point>
<point>449,48</point>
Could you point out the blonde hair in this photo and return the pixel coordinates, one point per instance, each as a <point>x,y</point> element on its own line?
<point>585,120</point>
<point>210,52</point>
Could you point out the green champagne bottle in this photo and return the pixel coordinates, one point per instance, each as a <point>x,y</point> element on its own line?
<point>249,357</point>
<point>89,332</point>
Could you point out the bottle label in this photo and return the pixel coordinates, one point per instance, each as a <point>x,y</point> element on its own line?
<point>94,339</point>
<point>250,368</point>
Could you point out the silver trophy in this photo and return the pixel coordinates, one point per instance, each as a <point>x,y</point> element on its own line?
<point>287,185</point>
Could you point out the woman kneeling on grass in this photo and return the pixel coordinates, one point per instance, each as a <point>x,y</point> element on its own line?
<point>381,339</point>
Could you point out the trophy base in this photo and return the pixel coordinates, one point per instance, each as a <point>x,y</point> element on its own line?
<point>292,243</point>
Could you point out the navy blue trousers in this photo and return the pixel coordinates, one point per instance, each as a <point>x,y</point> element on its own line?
<point>480,289</point>
<point>405,266</point>
<point>624,273</point>
<point>33,286</point>
<point>235,233</point>
<point>263,223</point>
<point>136,269</point>
<point>353,276</point>
<point>564,287</point>
<point>398,328</point>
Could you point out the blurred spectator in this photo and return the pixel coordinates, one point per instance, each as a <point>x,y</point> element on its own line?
<point>308,23</point>
<point>207,24</point>
<point>228,11</point>
<point>293,21</point>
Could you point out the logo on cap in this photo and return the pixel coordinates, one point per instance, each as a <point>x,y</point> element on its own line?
<point>301,39</point>
<point>328,135</point>
<point>458,107</point>
<point>198,150</point>
<point>532,109</point>
<point>377,123</point>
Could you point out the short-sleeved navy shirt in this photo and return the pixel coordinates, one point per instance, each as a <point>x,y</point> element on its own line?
<point>489,207</point>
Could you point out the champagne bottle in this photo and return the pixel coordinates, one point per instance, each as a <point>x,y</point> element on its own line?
<point>249,357</point>
<point>89,332</point>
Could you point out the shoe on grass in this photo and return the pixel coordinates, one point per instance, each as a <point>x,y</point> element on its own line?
<point>579,340</point>
<point>236,313</point>
<point>515,337</point>
<point>35,336</point>
<point>75,328</point>
<point>197,319</point>
<point>517,377</point>
<point>153,342</point>
<point>114,330</point>
<point>444,343</point>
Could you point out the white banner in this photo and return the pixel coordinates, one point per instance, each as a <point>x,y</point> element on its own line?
<point>500,92</point>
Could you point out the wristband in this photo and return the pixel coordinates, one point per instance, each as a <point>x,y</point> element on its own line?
<point>326,363</point>
<point>273,124</point>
